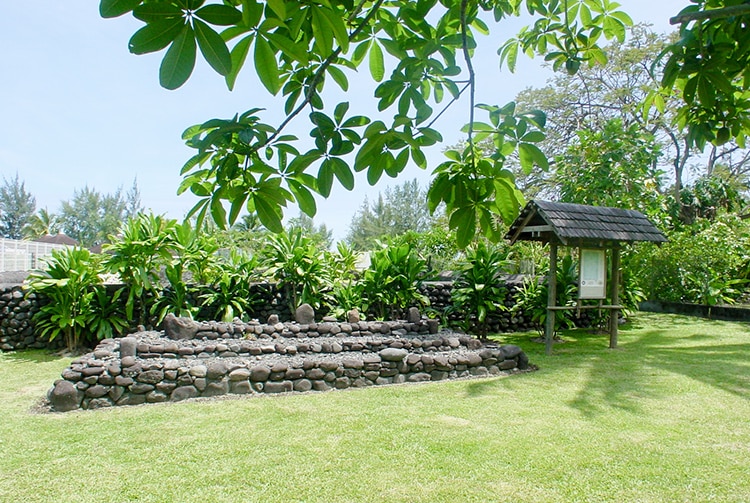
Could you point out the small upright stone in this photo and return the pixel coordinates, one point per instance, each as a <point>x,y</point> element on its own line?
<point>64,397</point>
<point>433,325</point>
<point>305,314</point>
<point>179,328</point>
<point>127,346</point>
<point>352,316</point>
<point>273,319</point>
<point>413,316</point>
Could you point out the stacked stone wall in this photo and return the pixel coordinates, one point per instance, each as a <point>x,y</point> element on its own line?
<point>212,359</point>
<point>17,328</point>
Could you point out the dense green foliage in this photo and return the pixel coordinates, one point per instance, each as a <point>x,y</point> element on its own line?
<point>296,264</point>
<point>615,167</point>
<point>419,55</point>
<point>78,306</point>
<point>138,257</point>
<point>391,283</point>
<point>479,290</point>
<point>708,64</point>
<point>706,263</point>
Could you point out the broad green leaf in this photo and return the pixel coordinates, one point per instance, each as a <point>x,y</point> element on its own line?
<point>191,4</point>
<point>268,214</point>
<point>221,15</point>
<point>194,161</point>
<point>237,205</point>
<point>251,12</point>
<point>533,137</point>
<point>360,52</point>
<point>688,93</point>
<point>585,16</point>
<point>509,54</point>
<point>157,11</point>
<point>706,92</point>
<point>278,7</point>
<point>115,8</point>
<point>480,26</point>
<point>343,173</point>
<point>622,17</point>
<point>659,102</point>
<point>374,174</point>
<point>356,121</point>
<point>529,155</point>
<point>338,27</point>
<point>325,177</point>
<point>340,111</point>
<point>179,61</point>
<point>419,158</point>
<point>218,213</point>
<point>322,33</point>
<point>304,197</point>
<point>464,221</point>
<point>155,36</point>
<point>614,28</point>
<point>239,55</point>
<point>377,65</point>
<point>295,51</point>
<point>339,77</point>
<point>213,48</point>
<point>505,200</point>
<point>266,66</point>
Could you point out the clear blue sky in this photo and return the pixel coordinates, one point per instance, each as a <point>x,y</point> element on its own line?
<point>77,109</point>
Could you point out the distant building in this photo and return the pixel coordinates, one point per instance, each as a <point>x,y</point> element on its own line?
<point>58,239</point>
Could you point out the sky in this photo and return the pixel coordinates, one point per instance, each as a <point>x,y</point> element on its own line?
<point>77,109</point>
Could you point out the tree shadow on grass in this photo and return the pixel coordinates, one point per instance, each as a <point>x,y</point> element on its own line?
<point>622,377</point>
<point>651,348</point>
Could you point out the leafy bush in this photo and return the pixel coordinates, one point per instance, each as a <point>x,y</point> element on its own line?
<point>391,283</point>
<point>231,296</point>
<point>78,306</point>
<point>107,312</point>
<point>297,265</point>
<point>478,292</point>
<point>702,263</point>
<point>144,247</point>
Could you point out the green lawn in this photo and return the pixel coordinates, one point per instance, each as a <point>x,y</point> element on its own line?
<point>666,417</point>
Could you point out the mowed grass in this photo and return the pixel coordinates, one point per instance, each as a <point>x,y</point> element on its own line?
<point>666,417</point>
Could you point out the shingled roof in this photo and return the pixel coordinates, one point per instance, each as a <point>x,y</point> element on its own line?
<point>581,225</point>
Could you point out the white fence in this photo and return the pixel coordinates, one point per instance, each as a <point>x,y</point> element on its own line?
<point>24,255</point>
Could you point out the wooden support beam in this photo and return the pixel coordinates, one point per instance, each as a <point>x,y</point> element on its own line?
<point>614,314</point>
<point>549,329</point>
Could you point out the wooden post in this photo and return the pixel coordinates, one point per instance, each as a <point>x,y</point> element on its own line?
<point>615,296</point>
<point>549,329</point>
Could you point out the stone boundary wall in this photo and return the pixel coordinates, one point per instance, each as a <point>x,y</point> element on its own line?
<point>17,330</point>
<point>16,327</point>
<point>213,359</point>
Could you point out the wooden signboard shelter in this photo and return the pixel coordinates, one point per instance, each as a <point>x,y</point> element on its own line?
<point>585,227</point>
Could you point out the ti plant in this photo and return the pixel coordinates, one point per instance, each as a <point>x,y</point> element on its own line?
<point>391,283</point>
<point>68,282</point>
<point>297,265</point>
<point>137,256</point>
<point>231,294</point>
<point>479,291</point>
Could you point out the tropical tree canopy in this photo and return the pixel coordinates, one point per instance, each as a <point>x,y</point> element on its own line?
<point>419,53</point>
